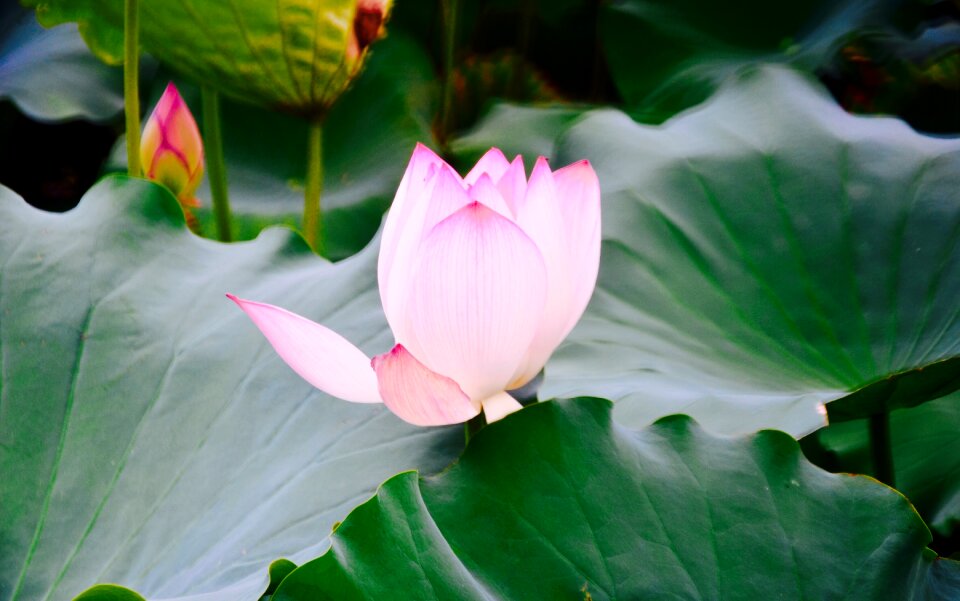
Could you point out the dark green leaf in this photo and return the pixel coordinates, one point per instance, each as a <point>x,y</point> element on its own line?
<point>665,56</point>
<point>556,502</point>
<point>926,457</point>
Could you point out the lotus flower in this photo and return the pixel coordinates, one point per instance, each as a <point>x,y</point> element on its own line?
<point>480,277</point>
<point>171,149</point>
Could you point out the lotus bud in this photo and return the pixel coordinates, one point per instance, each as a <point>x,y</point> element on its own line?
<point>171,149</point>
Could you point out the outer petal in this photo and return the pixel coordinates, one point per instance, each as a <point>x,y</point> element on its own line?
<point>444,197</point>
<point>493,163</point>
<point>418,395</point>
<point>406,214</point>
<point>476,299</point>
<point>168,168</point>
<point>561,213</point>
<point>319,355</point>
<point>180,130</point>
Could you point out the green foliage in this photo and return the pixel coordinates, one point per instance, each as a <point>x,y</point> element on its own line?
<point>150,437</point>
<point>668,512</point>
<point>767,253</point>
<point>287,55</point>
<point>368,137</point>
<point>926,457</point>
<point>52,76</point>
<point>665,56</point>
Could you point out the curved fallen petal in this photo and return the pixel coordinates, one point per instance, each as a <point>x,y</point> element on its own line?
<point>318,354</point>
<point>418,395</point>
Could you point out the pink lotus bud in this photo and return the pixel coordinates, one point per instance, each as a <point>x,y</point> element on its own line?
<point>481,278</point>
<point>171,149</point>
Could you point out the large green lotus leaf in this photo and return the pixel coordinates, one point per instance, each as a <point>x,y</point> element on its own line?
<point>925,443</point>
<point>287,54</point>
<point>51,75</point>
<point>557,502</point>
<point>667,55</point>
<point>764,254</point>
<point>149,436</point>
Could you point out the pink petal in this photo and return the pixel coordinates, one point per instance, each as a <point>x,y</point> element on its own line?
<point>476,299</point>
<point>485,192</point>
<point>409,207</point>
<point>493,163</point>
<point>513,184</point>
<point>319,355</point>
<point>443,197</point>
<point>561,213</point>
<point>418,395</point>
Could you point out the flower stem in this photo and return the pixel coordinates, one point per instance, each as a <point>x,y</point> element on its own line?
<point>216,169</point>
<point>880,449</point>
<point>131,84</point>
<point>449,11</point>
<point>312,218</point>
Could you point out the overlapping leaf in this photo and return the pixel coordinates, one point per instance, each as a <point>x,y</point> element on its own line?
<point>149,436</point>
<point>767,253</point>
<point>556,502</point>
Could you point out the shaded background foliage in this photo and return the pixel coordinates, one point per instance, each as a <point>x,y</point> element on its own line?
<point>906,63</point>
<point>526,76</point>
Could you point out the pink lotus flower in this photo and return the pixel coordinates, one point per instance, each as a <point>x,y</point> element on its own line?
<point>171,149</point>
<point>480,278</point>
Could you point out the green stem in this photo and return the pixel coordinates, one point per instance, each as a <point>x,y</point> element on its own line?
<point>216,169</point>
<point>449,12</point>
<point>131,84</point>
<point>880,449</point>
<point>312,218</point>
